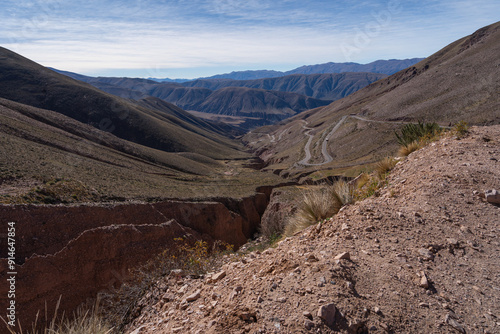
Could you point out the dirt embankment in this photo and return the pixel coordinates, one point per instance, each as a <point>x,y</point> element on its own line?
<point>76,251</point>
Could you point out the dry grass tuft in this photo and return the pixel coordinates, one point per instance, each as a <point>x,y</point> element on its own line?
<point>405,151</point>
<point>384,166</point>
<point>343,192</point>
<point>317,205</point>
<point>320,204</point>
<point>87,320</point>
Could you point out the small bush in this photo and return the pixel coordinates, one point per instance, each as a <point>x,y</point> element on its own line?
<point>415,132</point>
<point>317,205</point>
<point>405,151</point>
<point>193,257</point>
<point>343,192</point>
<point>384,166</point>
<point>367,189</point>
<point>461,129</point>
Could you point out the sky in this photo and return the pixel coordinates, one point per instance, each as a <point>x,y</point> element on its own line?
<point>197,38</point>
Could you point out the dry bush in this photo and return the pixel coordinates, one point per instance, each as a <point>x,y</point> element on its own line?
<point>405,151</point>
<point>317,205</point>
<point>384,166</point>
<point>343,192</point>
<point>461,129</point>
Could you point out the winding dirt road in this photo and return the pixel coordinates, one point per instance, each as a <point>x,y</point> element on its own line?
<point>324,146</point>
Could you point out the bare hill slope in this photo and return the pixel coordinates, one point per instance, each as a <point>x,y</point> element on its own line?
<point>26,82</point>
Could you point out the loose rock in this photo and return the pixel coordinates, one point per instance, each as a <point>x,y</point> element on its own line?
<point>194,296</point>
<point>327,314</point>
<point>492,196</point>
<point>343,256</point>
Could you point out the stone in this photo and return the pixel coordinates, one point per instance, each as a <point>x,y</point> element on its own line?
<point>426,254</point>
<point>183,289</point>
<point>216,277</point>
<point>327,314</point>
<point>453,323</point>
<point>424,282</point>
<point>343,256</point>
<point>307,314</point>
<point>168,297</point>
<point>492,196</point>
<point>281,299</point>
<point>248,316</point>
<point>311,258</point>
<point>177,329</point>
<point>308,324</point>
<point>194,296</point>
<point>259,299</point>
<point>177,272</point>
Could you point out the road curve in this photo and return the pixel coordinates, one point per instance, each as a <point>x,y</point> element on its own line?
<point>324,146</point>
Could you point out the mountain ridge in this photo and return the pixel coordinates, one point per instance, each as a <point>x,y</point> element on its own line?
<point>389,66</point>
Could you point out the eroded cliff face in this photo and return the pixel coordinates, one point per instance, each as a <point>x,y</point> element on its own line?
<point>76,251</point>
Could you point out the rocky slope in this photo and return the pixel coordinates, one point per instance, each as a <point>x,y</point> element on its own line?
<point>421,257</point>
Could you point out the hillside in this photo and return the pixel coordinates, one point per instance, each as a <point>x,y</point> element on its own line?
<point>26,82</point>
<point>422,257</point>
<point>47,157</point>
<point>268,106</point>
<point>458,83</point>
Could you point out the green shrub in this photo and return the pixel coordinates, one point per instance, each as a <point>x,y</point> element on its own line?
<point>461,129</point>
<point>415,132</point>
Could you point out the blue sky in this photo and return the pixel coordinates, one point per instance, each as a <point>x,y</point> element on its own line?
<point>195,38</point>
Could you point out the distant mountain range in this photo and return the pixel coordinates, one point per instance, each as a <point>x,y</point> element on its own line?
<point>270,100</point>
<point>327,86</point>
<point>388,67</point>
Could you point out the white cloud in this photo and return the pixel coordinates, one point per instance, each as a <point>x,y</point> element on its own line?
<point>152,35</point>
